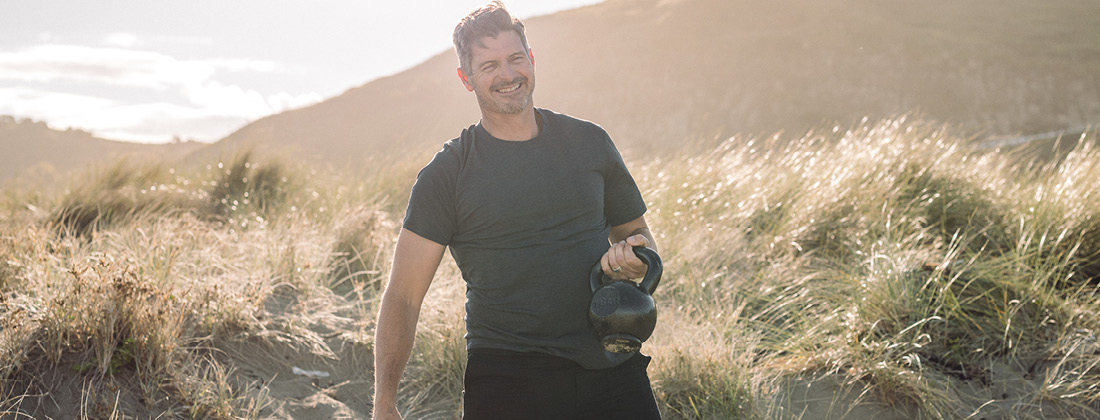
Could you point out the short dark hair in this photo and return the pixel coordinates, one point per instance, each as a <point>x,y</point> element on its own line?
<point>488,21</point>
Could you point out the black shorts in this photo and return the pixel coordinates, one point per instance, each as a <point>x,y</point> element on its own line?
<point>502,384</point>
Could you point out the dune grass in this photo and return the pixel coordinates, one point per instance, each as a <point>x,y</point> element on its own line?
<point>889,255</point>
<point>888,266</point>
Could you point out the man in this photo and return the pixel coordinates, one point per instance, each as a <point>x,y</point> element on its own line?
<point>528,201</point>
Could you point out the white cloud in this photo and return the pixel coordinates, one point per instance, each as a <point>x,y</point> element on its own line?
<point>227,99</point>
<point>143,122</point>
<point>157,122</point>
<point>121,39</point>
<point>224,99</point>
<point>33,102</point>
<point>193,104</point>
<point>238,64</point>
<point>115,66</point>
<point>283,101</point>
<point>215,110</point>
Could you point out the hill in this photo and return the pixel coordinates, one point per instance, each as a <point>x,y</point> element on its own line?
<point>660,73</point>
<point>31,148</point>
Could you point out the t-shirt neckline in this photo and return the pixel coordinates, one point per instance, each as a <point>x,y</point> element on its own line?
<point>542,132</point>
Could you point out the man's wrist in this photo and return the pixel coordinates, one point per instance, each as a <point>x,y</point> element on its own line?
<point>384,399</point>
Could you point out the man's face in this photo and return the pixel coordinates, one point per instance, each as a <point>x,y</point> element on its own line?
<point>503,74</point>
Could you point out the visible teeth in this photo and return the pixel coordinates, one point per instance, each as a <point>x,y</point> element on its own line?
<point>509,90</point>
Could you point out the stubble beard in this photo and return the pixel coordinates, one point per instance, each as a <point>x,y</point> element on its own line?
<point>487,102</point>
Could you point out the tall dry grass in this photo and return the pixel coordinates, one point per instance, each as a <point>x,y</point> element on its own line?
<point>940,280</point>
<point>886,267</point>
<point>127,285</point>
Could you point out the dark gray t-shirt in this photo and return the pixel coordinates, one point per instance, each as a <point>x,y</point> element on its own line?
<point>526,221</point>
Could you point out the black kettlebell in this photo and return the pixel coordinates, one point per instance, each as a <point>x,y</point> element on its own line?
<point>623,313</point>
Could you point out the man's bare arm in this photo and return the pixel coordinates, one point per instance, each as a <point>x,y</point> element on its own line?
<point>415,261</point>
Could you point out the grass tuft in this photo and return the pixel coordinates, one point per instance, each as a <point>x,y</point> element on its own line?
<point>249,190</point>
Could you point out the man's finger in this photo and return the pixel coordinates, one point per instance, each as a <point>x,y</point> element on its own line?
<point>605,263</point>
<point>638,240</point>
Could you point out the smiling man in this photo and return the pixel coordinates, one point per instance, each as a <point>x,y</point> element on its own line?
<point>527,201</point>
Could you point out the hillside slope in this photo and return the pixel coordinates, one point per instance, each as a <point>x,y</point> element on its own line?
<point>31,148</point>
<point>659,73</point>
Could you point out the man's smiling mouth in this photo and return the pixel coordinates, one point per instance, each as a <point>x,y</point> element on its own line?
<point>510,87</point>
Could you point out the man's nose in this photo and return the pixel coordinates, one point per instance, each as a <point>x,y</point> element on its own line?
<point>508,71</point>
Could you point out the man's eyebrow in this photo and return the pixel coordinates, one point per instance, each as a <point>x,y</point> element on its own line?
<point>491,61</point>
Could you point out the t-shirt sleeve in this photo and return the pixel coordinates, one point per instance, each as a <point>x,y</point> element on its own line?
<point>431,210</point>
<point>622,200</point>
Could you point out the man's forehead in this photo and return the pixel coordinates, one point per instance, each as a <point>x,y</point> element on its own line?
<point>504,40</point>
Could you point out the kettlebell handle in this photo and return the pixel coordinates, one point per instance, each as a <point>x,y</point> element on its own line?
<point>652,276</point>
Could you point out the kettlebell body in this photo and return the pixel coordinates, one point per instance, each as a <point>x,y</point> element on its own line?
<point>623,313</point>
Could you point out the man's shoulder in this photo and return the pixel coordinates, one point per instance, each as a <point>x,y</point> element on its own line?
<point>574,126</point>
<point>453,153</point>
<point>569,120</point>
<point>464,139</point>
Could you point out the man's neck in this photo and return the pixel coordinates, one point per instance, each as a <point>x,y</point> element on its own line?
<point>512,127</point>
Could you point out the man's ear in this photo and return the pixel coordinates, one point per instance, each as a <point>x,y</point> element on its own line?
<point>531,55</point>
<point>465,80</point>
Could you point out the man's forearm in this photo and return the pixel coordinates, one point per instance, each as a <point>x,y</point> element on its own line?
<point>415,260</point>
<point>394,335</point>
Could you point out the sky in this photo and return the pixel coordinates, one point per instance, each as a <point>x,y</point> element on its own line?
<point>154,71</point>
